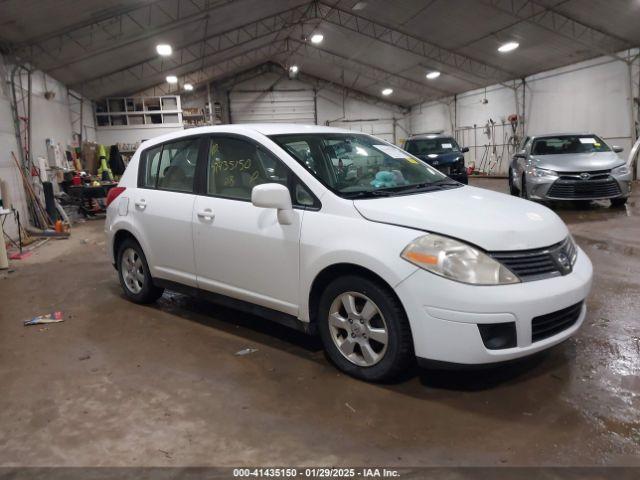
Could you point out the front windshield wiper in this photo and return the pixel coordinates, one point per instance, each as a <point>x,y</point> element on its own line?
<point>447,182</point>
<point>390,192</point>
<point>426,186</point>
<point>369,193</point>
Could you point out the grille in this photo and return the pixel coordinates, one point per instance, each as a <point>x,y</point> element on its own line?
<point>548,325</point>
<point>594,174</point>
<point>598,186</point>
<point>540,263</point>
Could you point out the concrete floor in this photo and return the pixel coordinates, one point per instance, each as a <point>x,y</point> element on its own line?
<point>122,384</point>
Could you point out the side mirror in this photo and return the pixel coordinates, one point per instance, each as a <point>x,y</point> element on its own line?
<point>617,149</point>
<point>464,149</point>
<point>521,154</point>
<point>274,195</point>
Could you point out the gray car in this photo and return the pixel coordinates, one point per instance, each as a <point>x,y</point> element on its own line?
<point>569,167</point>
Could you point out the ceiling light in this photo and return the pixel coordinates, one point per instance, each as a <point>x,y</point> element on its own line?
<point>359,6</point>
<point>188,87</point>
<point>317,38</point>
<point>433,75</point>
<point>172,79</point>
<point>164,49</point>
<point>508,47</point>
<point>387,91</point>
<point>293,69</point>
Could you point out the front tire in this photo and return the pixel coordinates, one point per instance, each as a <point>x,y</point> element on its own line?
<point>364,329</point>
<point>134,275</point>
<point>523,188</point>
<point>512,188</point>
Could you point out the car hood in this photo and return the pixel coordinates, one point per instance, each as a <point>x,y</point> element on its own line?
<point>578,162</point>
<point>490,220</point>
<point>441,158</point>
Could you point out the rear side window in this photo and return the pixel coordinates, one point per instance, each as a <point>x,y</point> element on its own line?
<point>149,161</point>
<point>170,166</point>
<point>178,165</point>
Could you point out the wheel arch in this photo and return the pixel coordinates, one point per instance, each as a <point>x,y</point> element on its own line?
<point>119,237</point>
<point>330,273</point>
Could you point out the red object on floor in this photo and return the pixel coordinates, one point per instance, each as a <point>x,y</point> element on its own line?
<point>19,256</point>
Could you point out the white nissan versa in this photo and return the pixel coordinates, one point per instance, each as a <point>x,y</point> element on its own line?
<point>342,233</point>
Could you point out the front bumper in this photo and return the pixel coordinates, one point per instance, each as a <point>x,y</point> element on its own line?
<point>444,315</point>
<point>453,171</point>
<point>573,188</point>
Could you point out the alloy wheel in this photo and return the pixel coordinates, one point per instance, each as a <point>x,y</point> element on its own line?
<point>132,270</point>
<point>358,329</point>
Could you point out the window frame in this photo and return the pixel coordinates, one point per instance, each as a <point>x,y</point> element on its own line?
<point>142,164</point>
<point>203,165</point>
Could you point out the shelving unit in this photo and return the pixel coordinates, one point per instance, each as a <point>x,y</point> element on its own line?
<point>195,117</point>
<point>139,111</point>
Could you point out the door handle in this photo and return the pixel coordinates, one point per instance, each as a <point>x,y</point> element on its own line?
<point>141,204</point>
<point>206,214</point>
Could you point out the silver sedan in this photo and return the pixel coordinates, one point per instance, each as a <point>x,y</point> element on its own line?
<point>569,167</point>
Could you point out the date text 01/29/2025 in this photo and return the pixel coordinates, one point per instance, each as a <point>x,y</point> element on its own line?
<point>315,473</point>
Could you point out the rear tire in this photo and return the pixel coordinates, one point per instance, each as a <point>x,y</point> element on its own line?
<point>134,275</point>
<point>512,188</point>
<point>618,202</point>
<point>371,339</point>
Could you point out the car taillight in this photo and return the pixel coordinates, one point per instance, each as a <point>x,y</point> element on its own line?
<point>113,194</point>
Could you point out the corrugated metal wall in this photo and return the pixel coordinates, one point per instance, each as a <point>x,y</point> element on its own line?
<point>591,96</point>
<point>382,128</point>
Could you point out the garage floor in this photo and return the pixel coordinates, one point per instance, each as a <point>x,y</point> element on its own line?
<point>121,384</point>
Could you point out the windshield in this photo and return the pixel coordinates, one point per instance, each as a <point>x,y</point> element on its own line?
<point>432,146</point>
<point>563,144</point>
<point>355,165</point>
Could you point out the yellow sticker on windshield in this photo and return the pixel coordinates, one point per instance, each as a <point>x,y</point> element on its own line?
<point>412,160</point>
<point>597,145</point>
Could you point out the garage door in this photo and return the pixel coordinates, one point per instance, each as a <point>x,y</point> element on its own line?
<point>285,106</point>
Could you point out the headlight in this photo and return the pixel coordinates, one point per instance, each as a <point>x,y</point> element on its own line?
<point>541,172</point>
<point>456,260</point>
<point>621,170</point>
<point>573,250</point>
